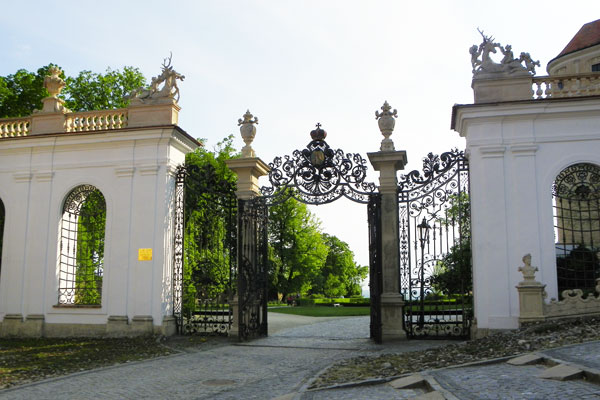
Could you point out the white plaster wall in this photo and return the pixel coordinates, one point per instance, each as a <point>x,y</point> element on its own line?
<point>133,168</point>
<point>515,152</point>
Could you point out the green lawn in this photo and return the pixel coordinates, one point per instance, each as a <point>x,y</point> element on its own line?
<point>323,311</point>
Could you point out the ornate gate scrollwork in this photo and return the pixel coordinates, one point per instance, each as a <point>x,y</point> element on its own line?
<point>435,261</point>
<point>252,273</point>
<point>318,175</point>
<point>314,175</point>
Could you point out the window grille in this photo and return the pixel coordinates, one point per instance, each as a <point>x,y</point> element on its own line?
<point>576,200</point>
<point>81,264</point>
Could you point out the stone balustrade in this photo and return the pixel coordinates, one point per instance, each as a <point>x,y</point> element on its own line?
<point>96,120</point>
<point>14,127</point>
<point>566,86</point>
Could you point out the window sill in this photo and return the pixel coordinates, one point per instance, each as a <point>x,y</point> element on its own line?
<point>77,306</point>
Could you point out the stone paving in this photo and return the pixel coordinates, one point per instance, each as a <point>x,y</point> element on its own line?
<point>503,381</point>
<point>586,355</point>
<point>282,365</point>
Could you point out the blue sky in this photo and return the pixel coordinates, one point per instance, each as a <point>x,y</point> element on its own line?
<point>296,63</point>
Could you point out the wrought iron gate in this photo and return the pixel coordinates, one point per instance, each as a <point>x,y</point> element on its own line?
<point>253,271</point>
<point>205,251</point>
<point>435,253</point>
<point>375,271</point>
<point>315,175</point>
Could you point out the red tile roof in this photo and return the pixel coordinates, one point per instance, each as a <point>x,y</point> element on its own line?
<point>588,35</point>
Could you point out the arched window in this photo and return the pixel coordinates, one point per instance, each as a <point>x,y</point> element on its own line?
<point>81,264</point>
<point>1,231</point>
<point>576,199</point>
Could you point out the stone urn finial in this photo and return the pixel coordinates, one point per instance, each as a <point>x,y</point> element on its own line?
<point>53,83</point>
<point>386,123</point>
<point>248,132</point>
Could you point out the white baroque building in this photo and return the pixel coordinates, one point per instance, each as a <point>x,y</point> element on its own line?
<point>115,168</point>
<point>524,134</point>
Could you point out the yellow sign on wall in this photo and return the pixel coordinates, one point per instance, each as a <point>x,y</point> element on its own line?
<point>144,254</point>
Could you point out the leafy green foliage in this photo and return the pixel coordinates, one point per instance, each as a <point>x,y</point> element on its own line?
<point>95,91</point>
<point>23,91</point>
<point>90,250</point>
<point>454,273</point>
<point>340,275</point>
<point>296,251</point>
<point>209,219</point>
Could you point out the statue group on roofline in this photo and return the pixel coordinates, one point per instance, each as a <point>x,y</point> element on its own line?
<point>509,65</point>
<point>153,94</point>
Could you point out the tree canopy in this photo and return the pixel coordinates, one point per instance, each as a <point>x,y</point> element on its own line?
<point>296,251</point>
<point>340,275</point>
<point>209,222</point>
<point>23,91</point>
<point>454,273</point>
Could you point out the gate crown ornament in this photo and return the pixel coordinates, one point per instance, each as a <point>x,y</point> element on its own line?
<point>386,124</point>
<point>248,132</point>
<point>318,133</point>
<point>318,174</point>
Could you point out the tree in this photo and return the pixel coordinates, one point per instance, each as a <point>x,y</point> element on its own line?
<point>453,273</point>
<point>209,221</point>
<point>296,249</point>
<point>23,91</point>
<point>90,249</point>
<point>340,275</point>
<point>94,91</point>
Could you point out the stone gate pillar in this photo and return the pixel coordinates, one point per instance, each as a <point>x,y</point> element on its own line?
<point>388,161</point>
<point>248,169</point>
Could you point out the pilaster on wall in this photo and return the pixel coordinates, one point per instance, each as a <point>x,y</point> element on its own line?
<point>388,163</point>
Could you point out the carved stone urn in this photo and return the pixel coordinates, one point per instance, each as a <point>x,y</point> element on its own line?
<point>386,124</point>
<point>248,132</point>
<point>53,83</point>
